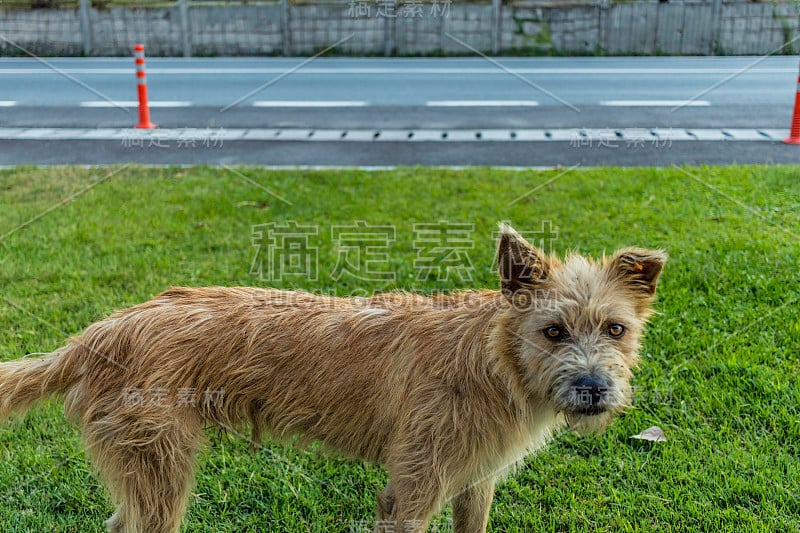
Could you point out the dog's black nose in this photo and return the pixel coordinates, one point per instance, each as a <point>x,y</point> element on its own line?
<point>590,391</point>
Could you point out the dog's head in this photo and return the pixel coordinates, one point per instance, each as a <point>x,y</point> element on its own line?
<point>576,324</point>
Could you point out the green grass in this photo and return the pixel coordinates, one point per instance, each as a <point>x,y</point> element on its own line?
<point>720,371</point>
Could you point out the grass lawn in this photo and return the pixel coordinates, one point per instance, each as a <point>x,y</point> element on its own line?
<point>720,362</point>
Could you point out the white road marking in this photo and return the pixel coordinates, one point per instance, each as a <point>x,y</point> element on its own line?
<point>7,103</point>
<point>708,135</point>
<point>401,70</point>
<point>368,168</point>
<point>616,138</point>
<point>656,103</point>
<point>480,103</point>
<point>777,135</point>
<point>309,103</point>
<point>134,103</point>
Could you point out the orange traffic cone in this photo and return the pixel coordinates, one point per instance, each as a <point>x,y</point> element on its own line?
<point>141,86</point>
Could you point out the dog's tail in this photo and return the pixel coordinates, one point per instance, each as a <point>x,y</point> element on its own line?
<point>28,380</point>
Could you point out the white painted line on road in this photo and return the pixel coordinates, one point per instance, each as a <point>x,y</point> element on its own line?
<point>656,103</point>
<point>7,103</point>
<point>103,103</point>
<point>260,134</point>
<point>425,135</point>
<point>360,135</point>
<point>309,103</point>
<point>564,134</point>
<point>579,137</point>
<point>744,134</point>
<point>676,134</point>
<point>395,135</point>
<point>775,135</point>
<point>708,135</point>
<point>531,135</point>
<point>292,135</point>
<point>497,135</point>
<point>480,103</point>
<point>40,133</point>
<point>134,103</point>
<point>699,71</point>
<point>464,135</point>
<point>326,135</point>
<point>167,103</point>
<point>367,168</point>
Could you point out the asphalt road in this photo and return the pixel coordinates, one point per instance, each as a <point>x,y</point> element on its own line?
<point>450,98</point>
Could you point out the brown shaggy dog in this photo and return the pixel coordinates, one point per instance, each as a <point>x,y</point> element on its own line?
<point>447,392</point>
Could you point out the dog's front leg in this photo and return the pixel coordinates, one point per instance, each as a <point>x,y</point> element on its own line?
<point>406,505</point>
<point>471,507</point>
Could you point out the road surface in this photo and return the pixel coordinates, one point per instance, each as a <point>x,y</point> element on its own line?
<point>375,111</point>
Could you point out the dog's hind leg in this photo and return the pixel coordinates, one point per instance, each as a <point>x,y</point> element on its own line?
<point>385,502</point>
<point>148,464</point>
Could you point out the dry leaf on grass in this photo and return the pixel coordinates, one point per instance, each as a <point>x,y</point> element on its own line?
<point>653,434</point>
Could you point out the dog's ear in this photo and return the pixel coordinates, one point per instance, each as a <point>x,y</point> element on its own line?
<point>521,265</point>
<point>638,269</point>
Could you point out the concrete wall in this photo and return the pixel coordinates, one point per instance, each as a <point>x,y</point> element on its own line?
<point>636,28</point>
<point>243,30</point>
<point>46,32</point>
<point>115,31</point>
<point>759,28</point>
<point>713,27</point>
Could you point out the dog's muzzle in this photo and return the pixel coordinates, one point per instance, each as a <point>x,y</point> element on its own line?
<point>589,395</point>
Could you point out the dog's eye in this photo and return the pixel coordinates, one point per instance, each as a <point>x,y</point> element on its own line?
<point>553,333</point>
<point>616,330</point>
